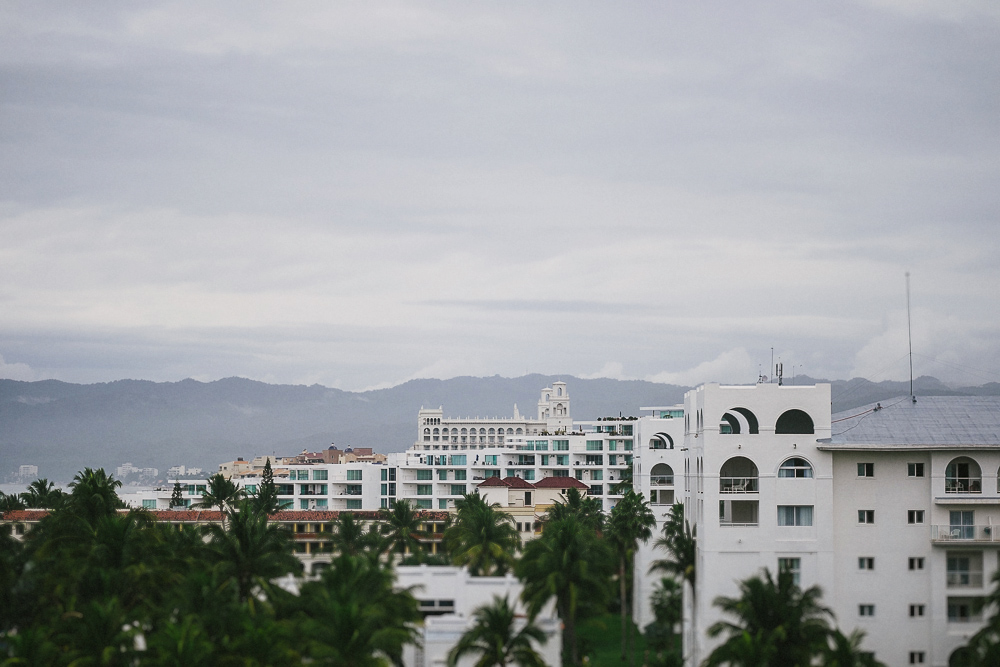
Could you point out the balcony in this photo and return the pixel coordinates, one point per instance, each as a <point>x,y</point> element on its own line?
<point>965,534</point>
<point>963,485</point>
<point>965,579</point>
<point>738,485</point>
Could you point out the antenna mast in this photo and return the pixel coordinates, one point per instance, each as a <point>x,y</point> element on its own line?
<point>909,334</point>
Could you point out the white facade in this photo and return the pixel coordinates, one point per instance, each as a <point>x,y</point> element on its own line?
<point>449,596</point>
<point>889,509</point>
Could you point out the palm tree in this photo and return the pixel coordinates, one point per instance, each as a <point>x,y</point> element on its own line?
<point>94,494</point>
<point>349,537</point>
<point>252,551</point>
<point>10,503</point>
<point>776,621</point>
<point>222,493</point>
<point>42,494</point>
<point>568,562</point>
<point>679,541</point>
<point>401,527</point>
<point>354,616</point>
<point>494,638</point>
<point>984,647</point>
<point>588,510</point>
<point>482,537</point>
<point>631,521</point>
<point>845,651</point>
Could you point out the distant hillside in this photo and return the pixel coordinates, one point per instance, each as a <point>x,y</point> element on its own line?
<point>64,427</point>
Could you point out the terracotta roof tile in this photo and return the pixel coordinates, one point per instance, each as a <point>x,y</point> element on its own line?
<point>518,483</point>
<point>492,481</point>
<point>560,483</point>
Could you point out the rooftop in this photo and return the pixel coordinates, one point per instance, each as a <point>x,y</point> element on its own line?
<point>932,422</point>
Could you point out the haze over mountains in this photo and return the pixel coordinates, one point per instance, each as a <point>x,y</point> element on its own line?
<point>63,427</point>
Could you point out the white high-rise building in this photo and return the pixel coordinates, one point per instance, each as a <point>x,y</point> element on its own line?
<point>890,508</point>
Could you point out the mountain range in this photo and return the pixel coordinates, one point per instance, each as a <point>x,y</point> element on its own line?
<point>63,427</point>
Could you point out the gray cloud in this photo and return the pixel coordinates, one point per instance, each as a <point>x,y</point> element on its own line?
<point>357,195</point>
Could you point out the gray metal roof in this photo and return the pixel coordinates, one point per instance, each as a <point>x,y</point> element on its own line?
<point>933,421</point>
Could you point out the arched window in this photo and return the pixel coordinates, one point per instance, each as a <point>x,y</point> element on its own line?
<point>427,434</point>
<point>661,475</point>
<point>661,441</point>
<point>520,432</point>
<point>738,475</point>
<point>795,467</point>
<point>437,431</point>
<point>465,431</point>
<point>794,421</point>
<point>739,420</point>
<point>492,431</point>
<point>963,475</point>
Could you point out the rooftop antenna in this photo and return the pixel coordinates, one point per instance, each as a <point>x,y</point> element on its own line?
<point>909,335</point>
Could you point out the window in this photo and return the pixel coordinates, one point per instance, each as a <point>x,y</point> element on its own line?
<point>914,516</point>
<point>596,490</point>
<point>560,473</point>
<point>385,489</point>
<point>916,610</point>
<point>443,475</point>
<point>866,516</point>
<point>392,488</point>
<point>384,475</point>
<point>917,657</point>
<point>392,474</point>
<point>490,460</point>
<point>866,470</point>
<point>866,610</point>
<point>351,490</point>
<point>866,563</point>
<point>425,474</point>
<point>795,515</point>
<point>320,475</point>
<point>303,474</point>
<point>424,504</point>
<point>916,563</point>
<point>560,445</point>
<point>423,490</point>
<point>545,459</point>
<point>597,475</point>
<point>250,488</point>
<point>562,459</point>
<point>457,489</point>
<point>529,475</point>
<point>442,503</point>
<point>914,469</point>
<point>595,446</point>
<point>795,467</point>
<point>460,475</point>
<point>793,565</point>
<point>353,504</point>
<point>149,503</point>
<point>595,459</point>
<point>352,476</point>
<point>457,460</point>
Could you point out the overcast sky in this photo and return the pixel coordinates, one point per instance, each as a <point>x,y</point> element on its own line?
<point>357,194</point>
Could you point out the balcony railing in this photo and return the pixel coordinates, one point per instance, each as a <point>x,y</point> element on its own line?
<point>947,533</point>
<point>738,485</point>
<point>965,579</point>
<point>661,480</point>
<point>963,485</point>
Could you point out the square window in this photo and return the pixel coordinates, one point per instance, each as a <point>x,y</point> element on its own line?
<point>914,516</point>
<point>866,610</point>
<point>917,657</point>
<point>914,469</point>
<point>916,563</point>
<point>866,470</point>
<point>866,516</point>
<point>917,610</point>
<point>795,515</point>
<point>793,565</point>
<point>866,563</point>
<point>442,503</point>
